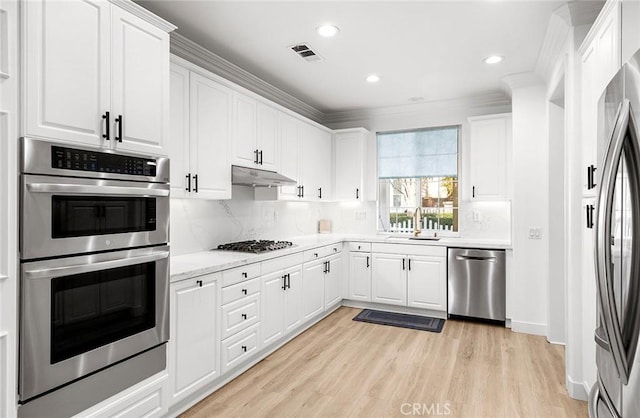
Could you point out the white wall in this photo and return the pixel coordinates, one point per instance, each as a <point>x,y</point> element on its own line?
<point>530,209</point>
<point>557,279</point>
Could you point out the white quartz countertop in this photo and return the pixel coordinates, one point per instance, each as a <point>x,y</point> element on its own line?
<point>205,262</point>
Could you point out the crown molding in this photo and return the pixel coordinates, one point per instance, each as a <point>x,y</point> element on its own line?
<point>610,6</point>
<point>521,80</point>
<point>554,45</point>
<point>195,53</point>
<point>144,14</point>
<point>484,100</point>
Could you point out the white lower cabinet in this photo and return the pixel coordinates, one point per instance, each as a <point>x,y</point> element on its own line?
<point>313,288</point>
<point>425,285</point>
<point>409,275</point>
<point>146,399</point>
<point>389,279</point>
<point>360,276</point>
<point>281,303</point>
<point>193,343</point>
<point>333,281</point>
<point>242,345</point>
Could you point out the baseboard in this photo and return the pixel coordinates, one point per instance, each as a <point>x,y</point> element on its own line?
<point>529,328</point>
<point>577,390</point>
<point>393,308</point>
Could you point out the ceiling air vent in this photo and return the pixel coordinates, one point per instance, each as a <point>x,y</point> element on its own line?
<point>306,53</point>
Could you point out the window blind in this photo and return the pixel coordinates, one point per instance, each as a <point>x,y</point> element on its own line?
<point>424,153</point>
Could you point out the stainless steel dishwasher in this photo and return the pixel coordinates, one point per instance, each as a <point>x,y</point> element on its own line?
<point>476,283</point>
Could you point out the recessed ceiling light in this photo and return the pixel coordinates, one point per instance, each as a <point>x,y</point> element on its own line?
<point>373,78</point>
<point>327,30</point>
<point>493,59</point>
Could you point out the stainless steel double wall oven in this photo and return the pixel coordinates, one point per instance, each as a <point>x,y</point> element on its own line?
<point>94,274</point>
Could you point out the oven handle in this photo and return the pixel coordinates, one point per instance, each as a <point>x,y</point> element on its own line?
<point>95,190</point>
<point>87,268</point>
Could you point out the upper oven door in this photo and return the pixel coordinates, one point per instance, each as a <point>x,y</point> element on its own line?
<point>81,314</point>
<point>67,215</point>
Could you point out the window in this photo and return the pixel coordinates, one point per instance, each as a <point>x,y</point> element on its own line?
<point>418,169</point>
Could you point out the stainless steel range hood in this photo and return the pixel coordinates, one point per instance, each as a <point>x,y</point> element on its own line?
<point>254,177</point>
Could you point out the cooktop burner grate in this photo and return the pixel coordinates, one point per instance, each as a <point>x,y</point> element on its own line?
<point>255,246</point>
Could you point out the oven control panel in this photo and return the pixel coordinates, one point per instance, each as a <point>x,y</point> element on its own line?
<point>101,162</point>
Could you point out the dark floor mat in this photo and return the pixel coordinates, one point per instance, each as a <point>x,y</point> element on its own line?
<point>422,323</point>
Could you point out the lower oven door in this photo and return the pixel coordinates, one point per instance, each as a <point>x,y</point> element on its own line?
<point>68,216</point>
<point>82,314</point>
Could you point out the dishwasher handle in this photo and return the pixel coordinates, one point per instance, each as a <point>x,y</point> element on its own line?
<point>475,258</point>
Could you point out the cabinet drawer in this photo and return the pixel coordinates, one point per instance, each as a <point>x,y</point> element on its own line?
<point>240,314</point>
<point>281,263</point>
<point>321,252</point>
<point>360,246</point>
<point>235,349</point>
<point>240,290</point>
<point>410,249</point>
<point>240,274</point>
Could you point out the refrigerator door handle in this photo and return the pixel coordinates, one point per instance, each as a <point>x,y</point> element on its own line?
<point>604,274</point>
<point>601,339</point>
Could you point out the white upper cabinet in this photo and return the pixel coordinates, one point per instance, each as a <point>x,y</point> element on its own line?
<point>255,133</point>
<point>80,55</point>
<point>140,77</point>
<point>489,145</point>
<point>316,163</point>
<point>601,60</point>
<point>67,83</point>
<point>350,153</point>
<point>290,132</point>
<point>200,136</point>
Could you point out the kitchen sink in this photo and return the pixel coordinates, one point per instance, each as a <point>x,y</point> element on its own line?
<point>414,238</point>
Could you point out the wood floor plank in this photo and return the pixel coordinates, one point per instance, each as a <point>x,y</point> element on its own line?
<point>341,367</point>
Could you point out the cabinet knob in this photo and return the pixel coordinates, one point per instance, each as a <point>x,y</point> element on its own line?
<point>244,348</point>
<point>199,283</point>
<point>315,255</point>
<point>244,316</point>
<point>244,274</point>
<point>244,291</point>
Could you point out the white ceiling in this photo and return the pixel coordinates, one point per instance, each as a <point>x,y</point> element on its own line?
<point>429,49</point>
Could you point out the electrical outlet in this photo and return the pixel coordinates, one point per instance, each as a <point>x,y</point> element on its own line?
<point>476,216</point>
<point>535,232</point>
<point>361,215</point>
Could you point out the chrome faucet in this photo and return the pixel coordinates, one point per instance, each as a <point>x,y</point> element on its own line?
<point>417,217</point>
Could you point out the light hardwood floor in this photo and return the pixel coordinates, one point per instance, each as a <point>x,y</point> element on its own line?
<point>340,367</point>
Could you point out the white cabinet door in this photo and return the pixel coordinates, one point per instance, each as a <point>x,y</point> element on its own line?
<point>313,289</point>
<point>177,146</point>
<point>349,165</point>
<point>360,276</point>
<point>210,129</point>
<point>140,83</point>
<point>333,281</point>
<point>316,168</point>
<point>267,122</point>
<point>293,300</point>
<point>389,279</point>
<point>488,156</point>
<point>427,282</point>
<point>67,84</point>
<point>193,352</point>
<point>589,139</point>
<point>245,148</point>
<point>290,154</point>
<point>272,307</point>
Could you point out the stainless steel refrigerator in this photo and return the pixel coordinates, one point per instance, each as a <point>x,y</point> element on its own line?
<point>617,250</point>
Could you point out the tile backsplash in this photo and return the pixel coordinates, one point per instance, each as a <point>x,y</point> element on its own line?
<point>199,225</point>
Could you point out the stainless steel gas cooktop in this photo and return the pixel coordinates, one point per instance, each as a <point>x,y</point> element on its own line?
<point>255,246</point>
